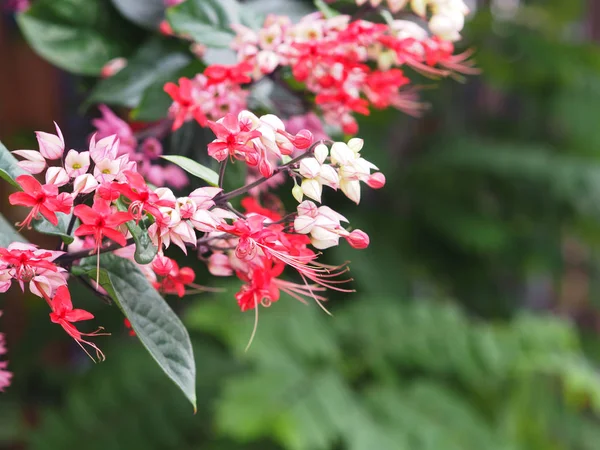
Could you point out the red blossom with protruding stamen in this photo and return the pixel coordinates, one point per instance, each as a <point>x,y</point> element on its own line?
<point>43,199</point>
<point>100,221</point>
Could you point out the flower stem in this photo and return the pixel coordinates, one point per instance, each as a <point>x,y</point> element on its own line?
<point>223,198</point>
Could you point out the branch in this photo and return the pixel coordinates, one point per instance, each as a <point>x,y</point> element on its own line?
<point>222,172</point>
<point>70,257</point>
<point>223,198</point>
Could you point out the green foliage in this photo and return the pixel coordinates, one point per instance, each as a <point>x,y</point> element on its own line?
<point>125,403</point>
<point>196,169</point>
<point>154,322</point>
<point>387,374</point>
<point>60,230</point>
<point>147,14</point>
<point>9,170</point>
<point>77,35</point>
<point>155,61</point>
<point>8,234</point>
<point>208,21</point>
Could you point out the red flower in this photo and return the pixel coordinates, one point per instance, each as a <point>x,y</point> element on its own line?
<point>231,140</point>
<point>237,74</point>
<point>174,279</point>
<point>101,222</point>
<point>183,96</point>
<point>64,315</point>
<point>43,199</point>
<point>141,196</point>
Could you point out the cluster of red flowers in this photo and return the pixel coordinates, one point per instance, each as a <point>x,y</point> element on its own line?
<point>349,66</point>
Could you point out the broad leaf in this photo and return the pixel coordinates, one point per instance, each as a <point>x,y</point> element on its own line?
<point>154,322</point>
<point>146,13</point>
<point>196,169</point>
<point>80,36</point>
<point>206,21</point>
<point>9,170</point>
<point>45,227</point>
<point>157,59</point>
<point>8,234</point>
<point>154,103</point>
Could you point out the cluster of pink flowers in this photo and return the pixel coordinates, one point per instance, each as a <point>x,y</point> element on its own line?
<point>209,95</point>
<point>104,188</point>
<point>145,154</point>
<point>350,66</point>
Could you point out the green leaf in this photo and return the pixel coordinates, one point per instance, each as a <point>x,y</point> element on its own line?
<point>154,322</point>
<point>206,21</point>
<point>9,170</point>
<point>327,10</point>
<point>45,227</point>
<point>155,102</point>
<point>8,234</point>
<point>147,13</point>
<point>80,36</point>
<point>196,169</point>
<point>145,250</point>
<point>157,59</point>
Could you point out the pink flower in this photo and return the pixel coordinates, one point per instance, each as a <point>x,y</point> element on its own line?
<point>218,265</point>
<point>151,148</point>
<point>43,199</point>
<point>52,146</point>
<point>358,239</point>
<point>33,161</point>
<point>231,140</point>
<point>310,122</point>
<point>112,67</point>
<point>77,163</point>
<point>110,124</point>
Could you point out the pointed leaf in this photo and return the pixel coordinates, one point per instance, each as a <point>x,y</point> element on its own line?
<point>196,169</point>
<point>209,21</point>
<point>147,13</point>
<point>9,170</point>
<point>157,59</point>
<point>154,322</point>
<point>45,227</point>
<point>8,234</point>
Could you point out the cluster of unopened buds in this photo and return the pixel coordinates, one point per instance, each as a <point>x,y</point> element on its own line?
<point>347,66</point>
<point>102,190</point>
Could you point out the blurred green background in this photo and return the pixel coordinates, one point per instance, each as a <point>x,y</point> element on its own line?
<point>475,324</point>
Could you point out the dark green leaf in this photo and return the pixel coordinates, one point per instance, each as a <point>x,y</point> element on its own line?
<point>80,36</point>
<point>196,169</point>
<point>156,59</point>
<point>9,170</point>
<point>153,105</point>
<point>146,13</point>
<point>206,21</point>
<point>45,227</point>
<point>155,102</point>
<point>8,234</point>
<point>153,321</point>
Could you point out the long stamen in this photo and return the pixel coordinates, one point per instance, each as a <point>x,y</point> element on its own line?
<point>255,325</point>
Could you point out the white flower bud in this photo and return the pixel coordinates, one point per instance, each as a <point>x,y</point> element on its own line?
<point>312,189</point>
